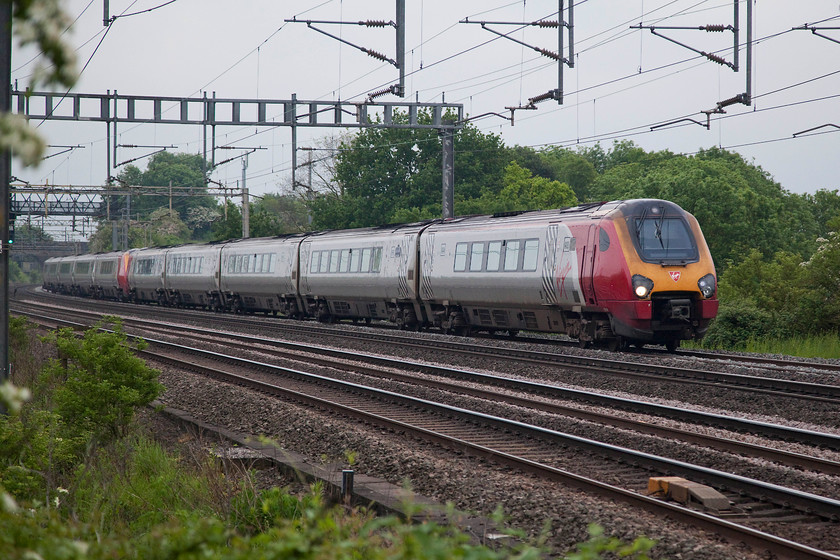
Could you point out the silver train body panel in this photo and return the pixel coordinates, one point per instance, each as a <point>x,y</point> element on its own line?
<point>510,273</point>
<point>105,270</point>
<point>147,274</point>
<point>191,274</point>
<point>369,273</point>
<point>261,274</point>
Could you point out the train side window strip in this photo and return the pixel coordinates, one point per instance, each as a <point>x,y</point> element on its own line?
<point>494,256</point>
<point>366,254</point>
<point>477,257</point>
<point>377,259</point>
<point>355,260</point>
<point>529,257</point>
<point>512,253</point>
<point>461,257</point>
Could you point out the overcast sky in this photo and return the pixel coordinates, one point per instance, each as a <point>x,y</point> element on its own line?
<point>623,82</point>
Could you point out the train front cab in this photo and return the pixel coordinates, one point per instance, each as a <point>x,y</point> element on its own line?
<point>664,288</point>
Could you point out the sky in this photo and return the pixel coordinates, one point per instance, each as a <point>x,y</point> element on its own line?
<point>624,81</point>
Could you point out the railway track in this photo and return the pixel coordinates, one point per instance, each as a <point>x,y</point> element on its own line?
<point>534,448</point>
<point>466,381</point>
<point>607,365</point>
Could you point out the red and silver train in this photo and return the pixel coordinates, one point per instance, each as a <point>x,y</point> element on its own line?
<point>615,273</point>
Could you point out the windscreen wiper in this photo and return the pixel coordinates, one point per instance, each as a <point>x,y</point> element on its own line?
<point>658,233</point>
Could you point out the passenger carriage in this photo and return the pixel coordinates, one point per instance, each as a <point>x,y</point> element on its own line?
<point>191,276</point>
<point>362,274</point>
<point>261,275</point>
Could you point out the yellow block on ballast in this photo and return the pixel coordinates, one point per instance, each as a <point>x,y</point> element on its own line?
<point>661,484</point>
<point>682,490</point>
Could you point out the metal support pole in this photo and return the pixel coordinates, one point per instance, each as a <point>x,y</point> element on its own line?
<point>561,29</point>
<point>5,178</point>
<point>246,205</point>
<point>749,52</point>
<point>448,156</point>
<point>293,119</point>
<point>401,46</point>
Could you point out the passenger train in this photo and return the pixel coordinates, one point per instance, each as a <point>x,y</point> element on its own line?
<point>615,274</point>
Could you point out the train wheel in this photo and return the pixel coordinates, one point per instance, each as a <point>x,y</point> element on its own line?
<point>583,343</point>
<point>512,333</point>
<point>672,345</point>
<point>616,344</point>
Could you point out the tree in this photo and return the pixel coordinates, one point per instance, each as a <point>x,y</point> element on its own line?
<point>522,191</point>
<point>383,174</point>
<point>99,382</point>
<point>183,172</point>
<point>229,226</point>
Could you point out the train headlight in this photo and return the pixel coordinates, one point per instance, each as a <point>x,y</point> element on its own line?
<point>707,285</point>
<point>642,286</point>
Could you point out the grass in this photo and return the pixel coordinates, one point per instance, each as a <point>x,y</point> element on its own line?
<point>817,346</point>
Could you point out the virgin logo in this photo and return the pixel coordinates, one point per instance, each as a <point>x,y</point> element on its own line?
<point>675,275</point>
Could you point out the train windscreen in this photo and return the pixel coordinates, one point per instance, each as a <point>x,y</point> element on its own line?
<point>660,237</point>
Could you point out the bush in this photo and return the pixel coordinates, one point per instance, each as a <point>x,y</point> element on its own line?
<point>99,381</point>
<point>739,322</point>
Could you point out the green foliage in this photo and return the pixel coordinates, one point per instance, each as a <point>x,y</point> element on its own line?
<point>600,546</point>
<point>37,452</point>
<point>738,323</point>
<point>254,512</point>
<point>382,173</point>
<point>229,226</point>
<point>522,191</point>
<point>99,381</point>
<point>135,485</point>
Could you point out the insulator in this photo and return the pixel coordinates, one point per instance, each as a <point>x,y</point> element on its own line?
<point>381,92</point>
<point>715,28</point>
<point>715,58</point>
<point>375,54</point>
<point>543,23</point>
<point>374,23</point>
<point>549,54</point>
<point>542,97</point>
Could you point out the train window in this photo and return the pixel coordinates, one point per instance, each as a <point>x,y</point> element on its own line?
<point>313,264</point>
<point>65,268</point>
<point>377,259</point>
<point>529,261</point>
<point>334,254</point>
<point>344,265</point>
<point>494,256</point>
<point>355,260</point>
<point>272,263</point>
<point>106,267</point>
<point>443,249</point>
<point>460,257</point>
<point>512,250</point>
<point>82,268</point>
<point>365,260</point>
<point>603,240</point>
<point>144,266</point>
<point>325,262</point>
<point>476,257</point>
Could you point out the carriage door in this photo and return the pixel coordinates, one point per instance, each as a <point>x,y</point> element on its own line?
<point>587,266</point>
